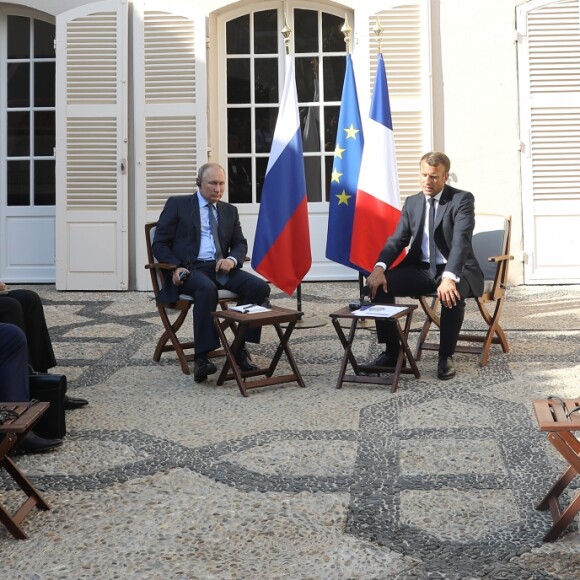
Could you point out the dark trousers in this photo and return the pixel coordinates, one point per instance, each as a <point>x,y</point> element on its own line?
<point>24,309</point>
<point>13,364</point>
<point>415,280</point>
<point>202,285</point>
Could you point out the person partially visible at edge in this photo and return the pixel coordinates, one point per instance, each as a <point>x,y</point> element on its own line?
<point>455,274</point>
<point>24,309</point>
<point>183,237</point>
<point>14,383</point>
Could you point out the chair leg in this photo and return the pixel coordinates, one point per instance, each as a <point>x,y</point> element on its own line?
<point>431,317</point>
<point>170,334</point>
<point>495,333</point>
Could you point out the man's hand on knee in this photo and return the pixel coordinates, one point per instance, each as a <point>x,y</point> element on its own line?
<point>377,279</point>
<point>448,293</point>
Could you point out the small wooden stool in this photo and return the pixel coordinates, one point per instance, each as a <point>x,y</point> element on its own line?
<point>404,312</point>
<point>559,417</point>
<point>18,420</point>
<point>239,323</point>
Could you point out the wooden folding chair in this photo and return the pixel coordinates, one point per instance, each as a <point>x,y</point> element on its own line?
<point>491,244</point>
<point>169,341</point>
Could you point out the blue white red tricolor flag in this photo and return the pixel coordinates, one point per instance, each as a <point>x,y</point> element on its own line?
<point>345,173</point>
<point>282,246</point>
<point>378,199</point>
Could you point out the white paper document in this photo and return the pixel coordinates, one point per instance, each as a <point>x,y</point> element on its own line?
<point>383,310</point>
<point>249,308</point>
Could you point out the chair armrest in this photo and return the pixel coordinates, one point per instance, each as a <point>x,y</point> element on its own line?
<point>500,258</point>
<point>160,266</point>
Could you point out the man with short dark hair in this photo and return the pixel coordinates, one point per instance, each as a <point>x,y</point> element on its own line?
<point>436,226</point>
<point>203,237</point>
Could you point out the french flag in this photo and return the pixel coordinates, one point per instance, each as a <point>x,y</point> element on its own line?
<point>378,199</point>
<point>282,245</point>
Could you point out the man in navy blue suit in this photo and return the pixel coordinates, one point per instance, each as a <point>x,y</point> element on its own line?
<point>440,261</point>
<point>184,237</point>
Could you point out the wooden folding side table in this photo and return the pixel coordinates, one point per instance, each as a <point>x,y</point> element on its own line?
<point>361,371</point>
<point>239,323</point>
<point>559,417</point>
<point>23,416</point>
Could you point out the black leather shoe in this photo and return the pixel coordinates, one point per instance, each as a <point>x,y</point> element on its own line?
<point>32,443</point>
<point>386,359</point>
<point>445,368</point>
<point>244,361</point>
<point>74,402</point>
<point>202,368</point>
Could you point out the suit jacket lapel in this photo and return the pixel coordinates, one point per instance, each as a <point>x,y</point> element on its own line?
<point>443,205</point>
<point>196,219</point>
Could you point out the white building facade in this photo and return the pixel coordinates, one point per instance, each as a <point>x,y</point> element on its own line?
<point>108,107</point>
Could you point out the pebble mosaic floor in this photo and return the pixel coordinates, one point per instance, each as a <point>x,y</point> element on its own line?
<point>161,477</point>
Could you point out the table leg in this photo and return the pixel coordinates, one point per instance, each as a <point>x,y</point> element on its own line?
<point>404,339</point>
<point>347,345</point>
<point>33,498</point>
<point>569,447</point>
<point>284,337</point>
<point>231,351</point>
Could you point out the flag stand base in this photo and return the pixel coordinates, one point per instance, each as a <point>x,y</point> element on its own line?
<point>306,320</point>
<point>310,321</point>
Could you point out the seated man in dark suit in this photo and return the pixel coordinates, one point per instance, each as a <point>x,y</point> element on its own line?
<point>24,308</point>
<point>186,236</point>
<point>440,260</point>
<point>14,382</point>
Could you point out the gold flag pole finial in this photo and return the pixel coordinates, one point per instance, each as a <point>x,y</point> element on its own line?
<point>378,30</point>
<point>286,32</point>
<point>346,30</point>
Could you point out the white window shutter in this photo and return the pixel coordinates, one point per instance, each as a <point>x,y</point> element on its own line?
<point>91,218</point>
<point>170,109</point>
<point>405,44</point>
<point>549,67</point>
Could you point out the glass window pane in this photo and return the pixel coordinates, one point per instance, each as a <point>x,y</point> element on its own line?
<point>44,133</point>
<point>332,37</point>
<point>305,31</point>
<point>239,131</point>
<point>329,161</point>
<point>44,183</point>
<point>266,83</point>
<point>18,181</point>
<point>238,35</point>
<point>18,134</point>
<point>18,84</point>
<point>265,125</point>
<point>240,180</point>
<point>330,125</point>
<point>238,80</point>
<point>18,37</point>
<point>307,79</point>
<point>310,121</point>
<point>44,83</point>
<point>261,166</point>
<point>334,67</point>
<point>312,172</point>
<point>266,32</point>
<point>44,34</point>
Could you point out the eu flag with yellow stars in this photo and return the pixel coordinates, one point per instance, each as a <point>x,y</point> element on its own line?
<point>345,170</point>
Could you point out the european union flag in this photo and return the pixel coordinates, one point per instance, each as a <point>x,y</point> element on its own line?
<point>345,170</point>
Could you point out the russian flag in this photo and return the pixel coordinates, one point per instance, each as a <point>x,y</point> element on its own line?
<point>378,199</point>
<point>345,172</point>
<point>282,246</point>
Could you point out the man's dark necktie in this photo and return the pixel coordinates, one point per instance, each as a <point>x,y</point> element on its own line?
<point>220,276</point>
<point>432,246</point>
